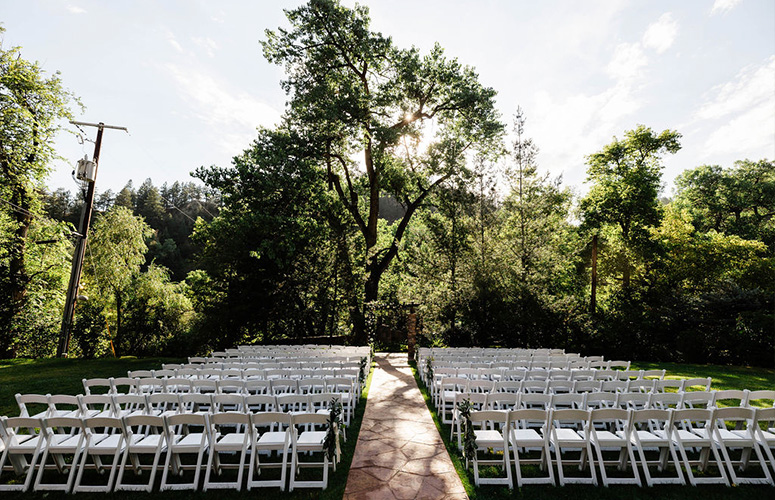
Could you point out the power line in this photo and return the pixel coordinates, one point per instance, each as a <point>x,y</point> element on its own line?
<point>18,209</point>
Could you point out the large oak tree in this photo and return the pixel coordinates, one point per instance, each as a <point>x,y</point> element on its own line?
<point>385,121</point>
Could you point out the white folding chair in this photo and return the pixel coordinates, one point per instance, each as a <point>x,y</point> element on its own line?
<point>96,405</point>
<point>260,403</point>
<point>686,439</point>
<point>493,434</point>
<point>97,386</point>
<point>123,385</point>
<point>609,431</point>
<point>633,400</point>
<point>665,400</point>
<point>448,388</point>
<point>178,385</point>
<point>163,404</point>
<point>187,434</point>
<point>272,432</point>
<point>230,433</point>
<point>64,438</point>
<point>104,438</point>
<point>258,387</point>
<point>311,441</point>
<point>321,403</point>
<point>195,403</point>
<point>764,398</point>
<point>651,429</point>
<point>668,385</point>
<point>765,437</point>
<point>144,435</point>
<point>40,408</point>
<point>150,385</point>
<point>63,405</point>
<point>346,388</point>
<point>501,401</point>
<point>292,403</point>
<point>568,401</point>
<point>204,386</point>
<point>743,439</point>
<point>230,386</point>
<point>730,397</point>
<point>694,384</point>
<point>533,386</point>
<point>222,403</point>
<point>284,385</point>
<point>126,405</point>
<point>524,438</point>
<point>568,431</point>
<point>641,385</point>
<point>581,386</point>
<point>19,447</point>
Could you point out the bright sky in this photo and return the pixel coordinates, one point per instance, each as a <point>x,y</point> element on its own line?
<point>189,81</point>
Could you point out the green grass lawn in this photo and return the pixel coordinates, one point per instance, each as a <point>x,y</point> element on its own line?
<point>724,377</point>
<point>63,376</point>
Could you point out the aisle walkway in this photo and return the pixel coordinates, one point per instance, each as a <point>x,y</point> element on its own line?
<point>399,454</point>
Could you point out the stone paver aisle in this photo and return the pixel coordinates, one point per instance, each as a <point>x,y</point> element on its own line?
<point>399,454</point>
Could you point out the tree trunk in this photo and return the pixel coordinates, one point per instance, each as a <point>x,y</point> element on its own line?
<point>593,297</point>
<point>117,336</point>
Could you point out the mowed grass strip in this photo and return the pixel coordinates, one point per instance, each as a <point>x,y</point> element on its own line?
<point>64,376</point>
<point>723,377</point>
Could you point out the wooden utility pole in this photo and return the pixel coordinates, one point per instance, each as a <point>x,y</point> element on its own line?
<point>593,298</point>
<point>80,243</point>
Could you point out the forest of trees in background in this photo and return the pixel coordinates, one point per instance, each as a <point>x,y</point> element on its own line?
<point>391,179</point>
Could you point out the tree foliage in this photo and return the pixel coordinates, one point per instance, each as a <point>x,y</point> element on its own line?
<point>354,94</point>
<point>625,177</point>
<point>32,106</point>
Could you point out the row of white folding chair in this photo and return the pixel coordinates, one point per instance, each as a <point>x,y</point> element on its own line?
<point>125,439</point>
<point>246,374</point>
<point>125,385</point>
<point>118,405</point>
<point>579,401</point>
<point>630,385</point>
<point>266,365</point>
<point>112,405</point>
<point>448,386</point>
<point>592,399</point>
<point>596,433</point>
<point>552,374</point>
<point>278,359</point>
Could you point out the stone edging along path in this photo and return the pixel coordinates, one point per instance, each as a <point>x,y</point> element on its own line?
<point>399,454</point>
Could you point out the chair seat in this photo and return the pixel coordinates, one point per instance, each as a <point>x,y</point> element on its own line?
<point>97,414</point>
<point>189,442</point>
<point>569,437</point>
<point>488,438</point>
<point>66,413</point>
<point>608,438</point>
<point>690,438</point>
<point>769,436</point>
<point>311,438</point>
<point>274,438</point>
<point>230,442</point>
<point>26,445</point>
<point>104,443</point>
<point>650,439</point>
<point>145,444</point>
<point>526,437</point>
<point>63,443</point>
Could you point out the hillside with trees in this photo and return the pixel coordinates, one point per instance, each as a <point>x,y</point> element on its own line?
<point>391,179</point>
